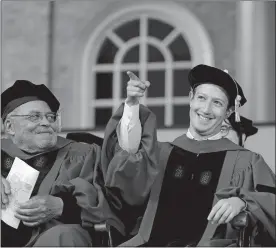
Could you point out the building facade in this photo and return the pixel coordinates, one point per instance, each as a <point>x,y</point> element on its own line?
<point>82,49</point>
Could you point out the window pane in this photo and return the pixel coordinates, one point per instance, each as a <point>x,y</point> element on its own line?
<point>160,114</point>
<point>154,55</point>
<point>132,56</point>
<point>125,79</point>
<point>104,85</point>
<point>107,52</point>
<point>180,49</point>
<point>102,116</point>
<point>159,29</point>
<point>181,116</point>
<point>129,30</point>
<point>157,83</point>
<point>181,83</point>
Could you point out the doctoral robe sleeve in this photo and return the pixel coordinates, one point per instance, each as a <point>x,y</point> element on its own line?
<point>130,176</point>
<point>78,176</point>
<point>254,182</point>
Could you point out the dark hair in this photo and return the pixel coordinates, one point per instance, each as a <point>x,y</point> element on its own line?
<point>238,129</point>
<point>240,138</point>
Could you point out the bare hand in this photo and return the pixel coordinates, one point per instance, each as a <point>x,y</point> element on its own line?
<point>135,88</point>
<point>39,209</point>
<point>5,191</point>
<point>225,210</point>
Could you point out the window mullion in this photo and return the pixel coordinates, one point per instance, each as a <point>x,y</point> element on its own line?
<point>169,95</point>
<point>170,37</point>
<point>115,39</point>
<point>116,89</point>
<point>93,107</point>
<point>143,51</point>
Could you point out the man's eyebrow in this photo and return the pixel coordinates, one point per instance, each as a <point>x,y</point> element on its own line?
<point>39,112</point>
<point>33,112</point>
<point>213,98</point>
<point>219,99</point>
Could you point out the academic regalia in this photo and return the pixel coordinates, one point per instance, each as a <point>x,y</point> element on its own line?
<point>244,126</point>
<point>205,74</point>
<point>74,177</point>
<point>127,193</point>
<point>23,91</point>
<point>241,171</point>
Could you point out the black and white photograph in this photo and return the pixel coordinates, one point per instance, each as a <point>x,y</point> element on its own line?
<point>138,123</point>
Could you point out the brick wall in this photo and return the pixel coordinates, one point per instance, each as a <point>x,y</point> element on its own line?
<point>24,41</point>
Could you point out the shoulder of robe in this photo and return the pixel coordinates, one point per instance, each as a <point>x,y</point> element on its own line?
<point>247,158</point>
<point>144,113</point>
<point>82,149</point>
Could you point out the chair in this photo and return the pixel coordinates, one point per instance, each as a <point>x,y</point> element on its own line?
<point>85,138</point>
<point>241,223</point>
<point>102,230</point>
<point>108,236</point>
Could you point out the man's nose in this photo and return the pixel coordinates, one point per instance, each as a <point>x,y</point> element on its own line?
<point>207,107</point>
<point>44,121</point>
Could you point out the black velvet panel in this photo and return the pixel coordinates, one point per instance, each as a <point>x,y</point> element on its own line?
<point>186,197</point>
<point>42,163</point>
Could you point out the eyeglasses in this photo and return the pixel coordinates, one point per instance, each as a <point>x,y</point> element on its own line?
<point>36,117</point>
<point>225,129</point>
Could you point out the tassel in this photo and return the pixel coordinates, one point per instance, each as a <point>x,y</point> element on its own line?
<point>237,117</point>
<point>237,105</point>
<point>237,101</point>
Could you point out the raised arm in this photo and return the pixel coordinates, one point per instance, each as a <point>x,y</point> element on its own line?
<point>129,173</point>
<point>129,127</point>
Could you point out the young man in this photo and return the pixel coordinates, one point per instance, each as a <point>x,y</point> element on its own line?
<point>238,132</point>
<point>203,180</point>
<point>68,197</point>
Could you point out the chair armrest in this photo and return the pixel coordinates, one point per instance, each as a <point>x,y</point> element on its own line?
<point>107,235</point>
<point>240,221</point>
<point>103,230</point>
<point>101,227</point>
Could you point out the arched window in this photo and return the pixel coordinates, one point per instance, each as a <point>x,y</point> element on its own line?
<point>156,48</point>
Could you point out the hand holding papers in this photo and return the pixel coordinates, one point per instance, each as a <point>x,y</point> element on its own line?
<point>22,179</point>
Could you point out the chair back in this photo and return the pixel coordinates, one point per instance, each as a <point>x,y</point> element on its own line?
<point>85,138</point>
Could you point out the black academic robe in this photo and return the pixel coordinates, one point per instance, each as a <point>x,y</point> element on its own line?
<point>74,173</point>
<point>242,173</point>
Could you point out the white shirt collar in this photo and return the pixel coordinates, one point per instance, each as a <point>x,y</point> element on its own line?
<point>214,137</point>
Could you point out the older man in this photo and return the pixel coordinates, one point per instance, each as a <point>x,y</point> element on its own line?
<point>67,199</point>
<point>204,180</point>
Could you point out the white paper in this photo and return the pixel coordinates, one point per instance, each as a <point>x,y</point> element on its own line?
<point>22,179</point>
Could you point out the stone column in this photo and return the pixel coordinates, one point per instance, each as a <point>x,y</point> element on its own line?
<point>255,65</point>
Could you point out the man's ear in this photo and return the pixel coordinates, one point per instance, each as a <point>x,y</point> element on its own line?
<point>229,112</point>
<point>191,96</point>
<point>8,127</point>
